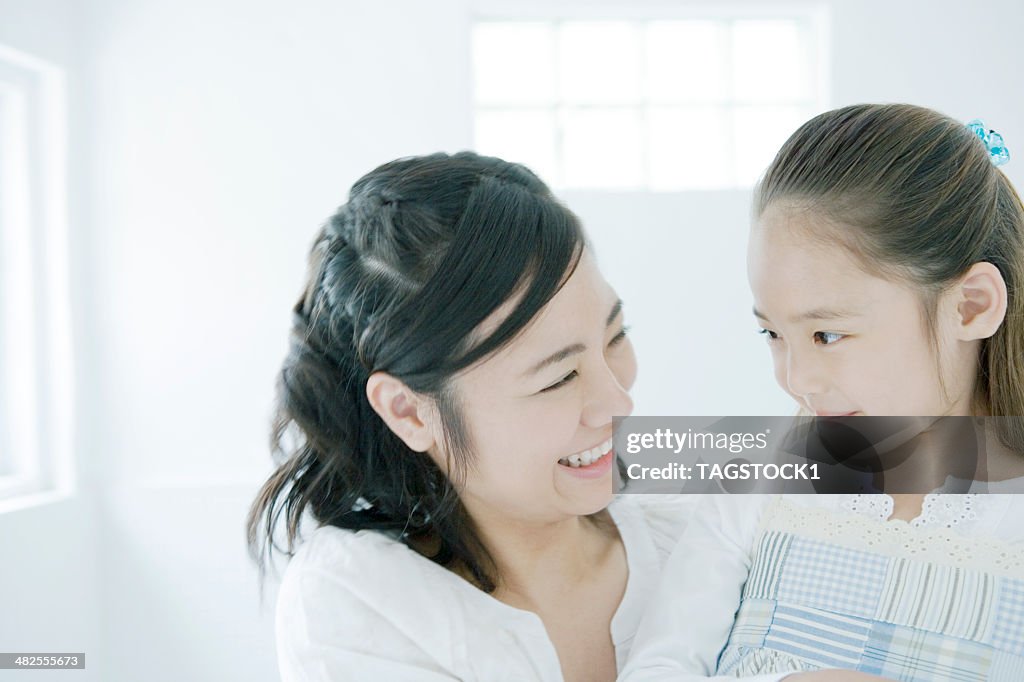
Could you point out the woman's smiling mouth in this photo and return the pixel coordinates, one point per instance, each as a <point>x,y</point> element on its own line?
<point>587,457</point>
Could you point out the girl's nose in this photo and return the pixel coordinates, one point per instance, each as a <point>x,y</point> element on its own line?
<point>804,374</point>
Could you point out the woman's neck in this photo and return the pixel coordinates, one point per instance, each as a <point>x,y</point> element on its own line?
<point>534,561</point>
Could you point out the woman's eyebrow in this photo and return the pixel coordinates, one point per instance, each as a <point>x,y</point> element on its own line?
<point>616,309</point>
<point>575,348</point>
<point>557,356</point>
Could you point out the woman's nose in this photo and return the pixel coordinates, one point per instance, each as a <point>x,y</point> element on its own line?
<point>606,398</point>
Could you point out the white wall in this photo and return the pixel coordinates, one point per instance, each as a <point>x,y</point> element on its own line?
<point>225,132</point>
<point>49,572</point>
<point>217,136</point>
<point>679,264</point>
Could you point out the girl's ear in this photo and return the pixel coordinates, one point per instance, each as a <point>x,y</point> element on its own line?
<point>980,297</point>
<point>409,415</point>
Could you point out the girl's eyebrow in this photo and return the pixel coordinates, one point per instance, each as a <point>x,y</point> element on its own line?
<point>815,314</point>
<point>575,348</point>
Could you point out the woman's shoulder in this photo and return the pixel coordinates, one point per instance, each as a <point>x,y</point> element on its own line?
<point>364,572</point>
<point>361,595</point>
<point>365,562</point>
<point>339,550</point>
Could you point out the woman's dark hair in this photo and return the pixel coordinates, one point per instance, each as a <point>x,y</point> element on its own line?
<point>914,196</point>
<point>400,279</point>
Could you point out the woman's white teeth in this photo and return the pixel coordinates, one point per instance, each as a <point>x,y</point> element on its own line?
<point>587,457</point>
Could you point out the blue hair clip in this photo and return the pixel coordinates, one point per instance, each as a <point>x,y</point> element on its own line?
<point>997,150</point>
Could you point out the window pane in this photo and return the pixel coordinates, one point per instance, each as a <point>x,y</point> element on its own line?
<point>666,105</point>
<point>9,133</point>
<point>686,61</point>
<point>18,396</point>
<point>512,63</point>
<point>770,60</point>
<point>690,148</point>
<point>602,148</point>
<point>523,136</point>
<point>599,62</point>
<point>760,132</point>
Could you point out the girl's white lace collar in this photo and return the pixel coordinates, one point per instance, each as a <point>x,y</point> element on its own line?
<point>954,530</point>
<point>937,511</point>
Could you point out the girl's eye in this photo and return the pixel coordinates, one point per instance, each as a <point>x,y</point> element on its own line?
<point>772,336</point>
<point>827,338</point>
<point>618,338</point>
<point>561,382</point>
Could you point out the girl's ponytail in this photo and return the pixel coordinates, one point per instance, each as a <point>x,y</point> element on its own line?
<point>1001,380</point>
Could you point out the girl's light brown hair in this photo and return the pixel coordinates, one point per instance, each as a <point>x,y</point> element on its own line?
<point>913,195</point>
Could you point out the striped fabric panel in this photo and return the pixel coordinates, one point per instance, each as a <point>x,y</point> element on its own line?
<point>822,638</point>
<point>942,599</point>
<point>747,662</point>
<point>752,622</point>
<point>1006,668</point>
<point>748,631</point>
<point>1008,626</point>
<point>770,556</point>
<point>902,653</point>
<point>832,578</point>
<point>731,658</point>
<point>773,637</point>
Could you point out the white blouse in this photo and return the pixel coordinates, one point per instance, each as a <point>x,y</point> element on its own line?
<point>362,606</point>
<point>684,635</point>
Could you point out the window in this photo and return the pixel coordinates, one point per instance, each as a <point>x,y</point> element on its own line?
<point>667,104</point>
<point>35,355</point>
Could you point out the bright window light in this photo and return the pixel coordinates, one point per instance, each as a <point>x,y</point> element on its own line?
<point>35,339</point>
<point>656,104</point>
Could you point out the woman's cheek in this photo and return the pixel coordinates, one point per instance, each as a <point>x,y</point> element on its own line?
<point>624,365</point>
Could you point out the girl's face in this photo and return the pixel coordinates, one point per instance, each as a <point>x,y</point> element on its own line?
<point>545,402</point>
<point>845,342</point>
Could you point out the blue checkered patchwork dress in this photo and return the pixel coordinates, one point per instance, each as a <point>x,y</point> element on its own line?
<point>810,603</point>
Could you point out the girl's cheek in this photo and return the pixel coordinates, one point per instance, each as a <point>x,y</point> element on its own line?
<point>779,366</point>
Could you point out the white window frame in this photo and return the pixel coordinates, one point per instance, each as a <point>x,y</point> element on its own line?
<point>814,14</point>
<point>36,368</point>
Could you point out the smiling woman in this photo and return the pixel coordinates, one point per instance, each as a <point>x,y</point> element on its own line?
<point>455,365</point>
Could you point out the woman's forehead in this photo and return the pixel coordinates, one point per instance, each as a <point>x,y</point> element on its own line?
<point>570,316</point>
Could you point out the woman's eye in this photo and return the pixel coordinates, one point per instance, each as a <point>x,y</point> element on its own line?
<point>827,338</point>
<point>618,338</point>
<point>561,382</point>
<point>771,336</point>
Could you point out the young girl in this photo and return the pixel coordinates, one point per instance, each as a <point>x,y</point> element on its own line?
<point>445,420</point>
<point>886,259</point>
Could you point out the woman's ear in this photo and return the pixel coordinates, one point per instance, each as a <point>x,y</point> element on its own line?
<point>980,297</point>
<point>409,415</point>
